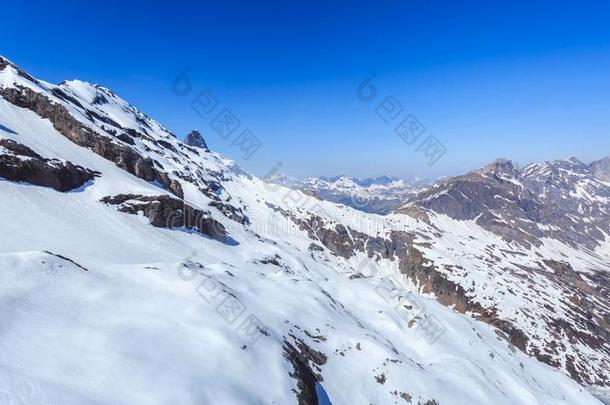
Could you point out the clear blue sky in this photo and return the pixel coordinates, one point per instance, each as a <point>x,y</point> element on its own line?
<point>489,79</point>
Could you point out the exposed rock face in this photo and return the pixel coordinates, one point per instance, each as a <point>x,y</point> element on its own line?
<point>166,212</point>
<point>20,163</point>
<point>340,239</point>
<point>483,196</point>
<point>345,242</point>
<point>601,169</point>
<point>195,139</point>
<point>124,156</point>
<point>303,358</point>
<point>306,380</point>
<point>573,202</point>
<point>415,212</point>
<point>119,132</point>
<point>588,328</point>
<point>560,199</point>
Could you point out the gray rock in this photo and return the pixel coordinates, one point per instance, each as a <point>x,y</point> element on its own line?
<point>20,163</point>
<point>122,155</point>
<point>164,211</point>
<point>561,199</point>
<point>195,139</point>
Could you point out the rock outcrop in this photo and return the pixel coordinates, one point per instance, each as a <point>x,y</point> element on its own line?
<point>122,155</point>
<point>20,163</point>
<point>545,290</point>
<point>561,199</point>
<point>164,211</point>
<point>195,139</point>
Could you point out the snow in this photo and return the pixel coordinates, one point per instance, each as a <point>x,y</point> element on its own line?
<point>135,316</point>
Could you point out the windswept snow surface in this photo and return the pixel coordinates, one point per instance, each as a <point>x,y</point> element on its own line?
<point>98,306</point>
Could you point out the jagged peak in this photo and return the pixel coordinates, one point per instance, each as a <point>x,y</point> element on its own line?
<point>15,75</point>
<point>550,167</point>
<point>575,161</point>
<point>195,139</point>
<point>500,167</point>
<point>4,61</point>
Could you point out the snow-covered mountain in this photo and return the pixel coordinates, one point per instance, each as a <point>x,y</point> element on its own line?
<point>539,210</point>
<point>138,269</point>
<point>378,195</point>
<point>601,169</point>
<point>562,199</point>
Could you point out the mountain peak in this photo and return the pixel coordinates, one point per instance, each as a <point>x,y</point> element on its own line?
<point>500,167</point>
<point>5,61</point>
<point>601,169</point>
<point>194,138</point>
<point>14,75</point>
<point>554,167</point>
<point>170,209</point>
<point>575,161</point>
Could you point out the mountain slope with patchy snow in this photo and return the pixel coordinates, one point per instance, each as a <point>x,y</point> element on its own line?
<point>171,276</point>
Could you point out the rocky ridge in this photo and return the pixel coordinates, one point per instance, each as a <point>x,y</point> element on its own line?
<point>482,245</point>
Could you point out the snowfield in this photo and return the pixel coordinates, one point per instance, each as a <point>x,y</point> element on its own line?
<point>99,306</point>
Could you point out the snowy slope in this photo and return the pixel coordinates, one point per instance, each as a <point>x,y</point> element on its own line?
<point>100,306</point>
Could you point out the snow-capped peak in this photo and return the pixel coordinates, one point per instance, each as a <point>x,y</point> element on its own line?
<point>146,270</point>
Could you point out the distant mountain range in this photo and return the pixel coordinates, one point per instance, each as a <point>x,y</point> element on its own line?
<point>139,268</point>
<point>382,195</point>
<point>378,195</point>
